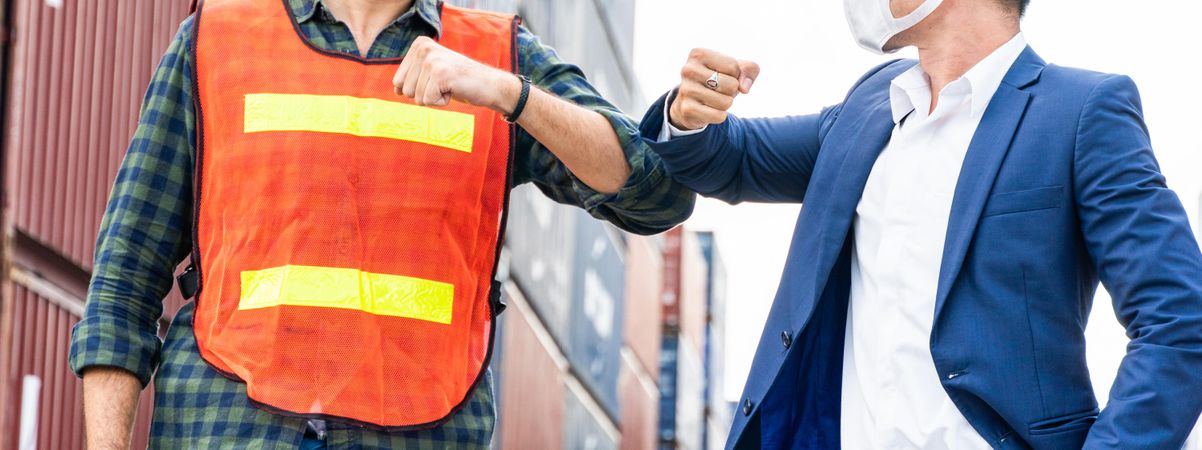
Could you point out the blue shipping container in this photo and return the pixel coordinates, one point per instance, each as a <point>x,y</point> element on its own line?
<point>594,344</point>
<point>582,429</point>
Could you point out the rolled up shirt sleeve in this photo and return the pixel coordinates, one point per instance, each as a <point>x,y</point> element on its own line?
<point>144,232</point>
<point>650,202</point>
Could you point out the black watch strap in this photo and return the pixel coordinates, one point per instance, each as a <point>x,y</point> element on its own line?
<point>521,106</point>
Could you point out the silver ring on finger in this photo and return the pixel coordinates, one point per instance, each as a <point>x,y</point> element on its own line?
<point>712,82</point>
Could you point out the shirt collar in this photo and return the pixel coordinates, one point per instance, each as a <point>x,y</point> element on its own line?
<point>425,10</point>
<point>913,87</point>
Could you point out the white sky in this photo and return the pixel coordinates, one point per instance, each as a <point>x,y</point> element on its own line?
<point>809,61</point>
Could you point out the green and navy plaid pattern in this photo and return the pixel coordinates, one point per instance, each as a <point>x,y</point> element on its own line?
<point>146,233</point>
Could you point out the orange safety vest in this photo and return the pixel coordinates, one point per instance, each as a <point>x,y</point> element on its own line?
<point>346,239</point>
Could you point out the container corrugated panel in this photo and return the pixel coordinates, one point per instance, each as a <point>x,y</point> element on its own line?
<point>690,398</point>
<point>694,284</point>
<point>40,333</point>
<point>715,435</point>
<point>541,238</point>
<point>639,402</point>
<point>667,391</point>
<point>596,43</point>
<point>582,428</point>
<point>496,364</point>
<point>671,337</point>
<point>643,307</point>
<point>531,388</point>
<point>718,419</point>
<point>594,344</point>
<point>77,78</point>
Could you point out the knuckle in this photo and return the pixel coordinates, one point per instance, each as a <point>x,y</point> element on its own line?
<point>440,71</point>
<point>698,53</point>
<point>685,91</point>
<point>688,108</point>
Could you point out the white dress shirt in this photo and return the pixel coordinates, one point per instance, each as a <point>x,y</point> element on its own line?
<point>892,395</point>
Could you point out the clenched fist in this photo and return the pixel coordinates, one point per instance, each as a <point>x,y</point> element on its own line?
<point>702,98</point>
<point>434,75</point>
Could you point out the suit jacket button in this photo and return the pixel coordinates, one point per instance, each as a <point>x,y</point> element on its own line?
<point>746,407</point>
<point>786,339</point>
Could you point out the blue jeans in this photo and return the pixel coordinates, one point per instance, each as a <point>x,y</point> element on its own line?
<point>312,444</point>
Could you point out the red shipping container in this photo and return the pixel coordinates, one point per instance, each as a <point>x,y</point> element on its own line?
<point>639,400</point>
<point>76,80</point>
<point>71,91</point>
<point>643,313</point>
<point>36,334</point>
<point>532,388</point>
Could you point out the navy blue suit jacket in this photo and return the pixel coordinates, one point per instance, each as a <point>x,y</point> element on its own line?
<point>1059,190</point>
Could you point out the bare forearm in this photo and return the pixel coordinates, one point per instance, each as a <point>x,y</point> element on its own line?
<point>109,403</point>
<point>583,140</point>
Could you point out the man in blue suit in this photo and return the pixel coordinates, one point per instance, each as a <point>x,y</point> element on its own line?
<point>959,212</point>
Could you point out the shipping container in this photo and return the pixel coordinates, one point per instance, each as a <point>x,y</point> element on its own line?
<point>76,80</point>
<point>585,427</point>
<point>683,399</point>
<point>718,418</point>
<point>639,405</point>
<point>694,284</point>
<point>597,36</point>
<point>74,75</point>
<point>670,338</point>
<point>643,313</point>
<point>690,399</point>
<point>39,391</point>
<point>594,338</point>
<point>668,366</point>
<point>531,383</point>
<point>541,241</point>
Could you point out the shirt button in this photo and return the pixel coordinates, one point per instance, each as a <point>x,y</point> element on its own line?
<point>786,339</point>
<point>747,407</point>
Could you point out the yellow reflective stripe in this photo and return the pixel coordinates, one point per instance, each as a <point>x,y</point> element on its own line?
<point>368,117</point>
<point>328,287</point>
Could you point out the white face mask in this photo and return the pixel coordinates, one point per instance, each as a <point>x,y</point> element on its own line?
<point>873,24</point>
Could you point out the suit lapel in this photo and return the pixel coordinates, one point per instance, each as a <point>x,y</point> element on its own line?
<point>861,152</point>
<point>981,165</point>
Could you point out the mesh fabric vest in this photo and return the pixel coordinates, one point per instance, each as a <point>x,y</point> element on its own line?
<point>346,238</point>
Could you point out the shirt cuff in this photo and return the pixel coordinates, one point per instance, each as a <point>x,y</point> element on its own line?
<point>668,131</point>
<point>112,342</point>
